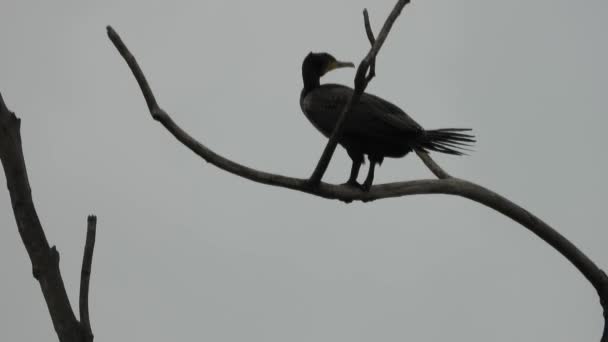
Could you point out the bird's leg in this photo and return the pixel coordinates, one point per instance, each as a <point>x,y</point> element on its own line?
<point>354,171</point>
<point>370,175</point>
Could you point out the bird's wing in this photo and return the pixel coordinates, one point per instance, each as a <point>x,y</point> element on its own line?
<point>370,116</point>
<point>388,112</point>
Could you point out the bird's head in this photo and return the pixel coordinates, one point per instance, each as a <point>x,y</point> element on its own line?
<point>318,64</point>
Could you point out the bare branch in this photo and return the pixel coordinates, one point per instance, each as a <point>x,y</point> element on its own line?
<point>45,260</point>
<point>424,156</point>
<point>432,165</point>
<point>368,27</point>
<point>85,276</point>
<point>370,36</point>
<point>444,185</point>
<point>360,85</point>
<point>449,186</point>
<point>139,75</point>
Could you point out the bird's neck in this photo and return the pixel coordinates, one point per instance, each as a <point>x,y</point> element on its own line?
<point>311,80</point>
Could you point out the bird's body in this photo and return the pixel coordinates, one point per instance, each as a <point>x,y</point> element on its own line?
<point>390,134</point>
<point>374,127</point>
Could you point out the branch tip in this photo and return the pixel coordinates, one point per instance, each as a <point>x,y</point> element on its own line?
<point>372,40</point>
<point>135,69</point>
<point>111,32</point>
<point>85,276</point>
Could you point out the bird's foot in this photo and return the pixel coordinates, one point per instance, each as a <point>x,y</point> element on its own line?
<point>366,186</point>
<point>312,184</point>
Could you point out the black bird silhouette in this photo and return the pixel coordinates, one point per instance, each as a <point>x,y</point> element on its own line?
<point>374,127</point>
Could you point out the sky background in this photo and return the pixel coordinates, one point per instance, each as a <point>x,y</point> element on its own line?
<point>186,251</point>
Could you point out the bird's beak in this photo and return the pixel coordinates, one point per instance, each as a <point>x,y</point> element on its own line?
<point>339,64</point>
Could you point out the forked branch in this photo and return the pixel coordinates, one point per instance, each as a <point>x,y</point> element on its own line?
<point>372,40</point>
<point>444,185</point>
<point>423,155</point>
<point>44,258</point>
<point>361,81</point>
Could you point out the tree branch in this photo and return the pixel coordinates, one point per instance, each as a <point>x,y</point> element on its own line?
<point>423,155</point>
<point>361,82</point>
<point>45,259</point>
<point>85,276</point>
<point>370,36</point>
<point>432,165</point>
<point>444,185</point>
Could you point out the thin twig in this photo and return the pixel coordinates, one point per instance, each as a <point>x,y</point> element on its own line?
<point>85,276</point>
<point>432,165</point>
<point>370,36</point>
<point>424,156</point>
<point>360,85</point>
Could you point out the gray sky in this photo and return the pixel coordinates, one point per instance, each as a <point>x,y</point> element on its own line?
<point>186,251</point>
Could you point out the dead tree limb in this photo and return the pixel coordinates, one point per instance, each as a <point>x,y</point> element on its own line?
<point>44,258</point>
<point>423,155</point>
<point>85,276</point>
<point>446,184</point>
<point>361,82</point>
<point>370,36</point>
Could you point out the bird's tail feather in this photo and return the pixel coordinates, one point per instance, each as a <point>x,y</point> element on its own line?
<point>448,140</point>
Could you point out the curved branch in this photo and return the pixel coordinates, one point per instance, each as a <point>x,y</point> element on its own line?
<point>445,185</point>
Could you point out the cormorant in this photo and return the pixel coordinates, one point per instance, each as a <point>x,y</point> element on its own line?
<point>374,127</point>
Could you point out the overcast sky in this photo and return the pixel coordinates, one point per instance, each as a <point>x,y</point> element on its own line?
<point>186,251</point>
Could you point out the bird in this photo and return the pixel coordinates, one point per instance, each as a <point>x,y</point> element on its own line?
<point>374,126</point>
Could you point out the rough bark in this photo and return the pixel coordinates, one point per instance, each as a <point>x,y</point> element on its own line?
<point>44,258</point>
